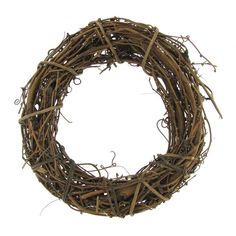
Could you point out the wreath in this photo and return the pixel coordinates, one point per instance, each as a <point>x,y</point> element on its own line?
<point>104,43</point>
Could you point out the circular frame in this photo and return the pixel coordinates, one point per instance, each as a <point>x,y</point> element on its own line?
<point>106,42</point>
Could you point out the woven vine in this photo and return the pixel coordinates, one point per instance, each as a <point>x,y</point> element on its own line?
<point>104,43</point>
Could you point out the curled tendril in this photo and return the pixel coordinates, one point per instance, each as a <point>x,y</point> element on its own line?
<point>162,125</point>
<point>69,89</point>
<point>77,81</point>
<point>17,101</point>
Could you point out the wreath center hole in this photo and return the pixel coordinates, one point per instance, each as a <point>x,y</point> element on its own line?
<point>113,114</point>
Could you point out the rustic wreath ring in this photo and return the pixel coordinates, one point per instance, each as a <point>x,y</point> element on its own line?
<point>106,42</point>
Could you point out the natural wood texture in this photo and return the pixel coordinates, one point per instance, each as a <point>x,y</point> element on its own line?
<point>106,42</point>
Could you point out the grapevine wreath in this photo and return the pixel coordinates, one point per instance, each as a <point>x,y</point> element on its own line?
<point>165,59</point>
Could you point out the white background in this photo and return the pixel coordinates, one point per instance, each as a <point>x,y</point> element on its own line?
<point>116,111</point>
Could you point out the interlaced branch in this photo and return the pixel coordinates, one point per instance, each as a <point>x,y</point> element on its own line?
<point>106,42</point>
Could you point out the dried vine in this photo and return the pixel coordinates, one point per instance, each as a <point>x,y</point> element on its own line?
<point>106,42</point>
